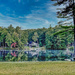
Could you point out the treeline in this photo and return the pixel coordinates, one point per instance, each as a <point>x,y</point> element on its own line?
<point>43,36</point>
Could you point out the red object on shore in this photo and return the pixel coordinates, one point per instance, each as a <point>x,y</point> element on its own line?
<point>13,54</point>
<point>13,44</point>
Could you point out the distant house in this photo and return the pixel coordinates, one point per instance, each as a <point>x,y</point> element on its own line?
<point>33,44</point>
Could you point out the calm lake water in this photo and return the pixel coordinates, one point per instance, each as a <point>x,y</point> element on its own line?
<point>41,55</point>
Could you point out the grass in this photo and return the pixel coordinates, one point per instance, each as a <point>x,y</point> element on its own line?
<point>33,48</point>
<point>37,68</point>
<point>25,48</point>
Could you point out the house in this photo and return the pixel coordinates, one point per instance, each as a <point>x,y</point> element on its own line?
<point>33,44</point>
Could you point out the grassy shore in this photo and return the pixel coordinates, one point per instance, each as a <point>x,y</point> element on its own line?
<point>37,68</point>
<point>25,48</point>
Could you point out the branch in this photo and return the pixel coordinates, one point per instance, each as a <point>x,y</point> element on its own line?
<point>64,31</point>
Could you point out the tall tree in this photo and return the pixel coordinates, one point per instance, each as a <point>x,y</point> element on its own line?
<point>35,36</point>
<point>24,37</point>
<point>18,29</point>
<point>9,40</point>
<point>3,34</point>
<point>15,37</point>
<point>11,29</point>
<point>67,12</point>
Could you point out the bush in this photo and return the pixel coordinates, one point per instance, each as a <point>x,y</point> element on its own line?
<point>22,56</point>
<point>34,58</point>
<point>8,57</point>
<point>71,48</point>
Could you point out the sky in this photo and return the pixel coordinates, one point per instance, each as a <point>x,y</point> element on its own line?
<point>28,14</point>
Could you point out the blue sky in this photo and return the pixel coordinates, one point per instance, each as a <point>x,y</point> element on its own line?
<point>28,14</point>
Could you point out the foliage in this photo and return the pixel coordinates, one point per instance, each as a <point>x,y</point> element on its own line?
<point>8,57</point>
<point>34,58</point>
<point>19,56</point>
<point>45,37</point>
<point>67,12</point>
<point>20,44</point>
<point>35,37</point>
<point>9,39</point>
<point>22,56</point>
<point>10,29</point>
<point>24,37</point>
<point>71,48</point>
<point>56,41</point>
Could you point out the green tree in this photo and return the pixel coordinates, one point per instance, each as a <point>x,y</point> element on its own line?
<point>9,40</point>
<point>11,29</point>
<point>18,29</point>
<point>65,35</point>
<point>15,36</point>
<point>24,37</point>
<point>35,36</point>
<point>56,41</point>
<point>22,56</point>
<point>3,34</point>
<point>30,34</point>
<point>67,12</point>
<point>20,45</point>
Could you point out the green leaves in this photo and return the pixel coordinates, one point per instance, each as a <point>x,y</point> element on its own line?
<point>53,38</point>
<point>66,29</point>
<point>9,39</point>
<point>59,37</point>
<point>24,37</point>
<point>35,36</point>
<point>3,34</point>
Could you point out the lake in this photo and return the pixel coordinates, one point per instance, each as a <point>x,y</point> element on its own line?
<point>35,55</point>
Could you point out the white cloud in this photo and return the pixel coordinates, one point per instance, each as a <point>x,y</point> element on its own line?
<point>37,19</point>
<point>19,1</point>
<point>1,15</point>
<point>36,0</point>
<point>52,8</point>
<point>41,17</point>
<point>28,16</point>
<point>5,21</point>
<point>32,18</point>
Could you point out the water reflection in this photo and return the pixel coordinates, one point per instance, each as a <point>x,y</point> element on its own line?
<point>35,55</point>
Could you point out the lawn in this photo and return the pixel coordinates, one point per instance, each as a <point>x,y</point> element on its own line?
<point>37,68</point>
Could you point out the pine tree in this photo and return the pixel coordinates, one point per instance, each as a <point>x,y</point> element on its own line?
<point>67,12</point>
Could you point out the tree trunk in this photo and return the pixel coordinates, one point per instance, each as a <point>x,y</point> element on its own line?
<point>74,26</point>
